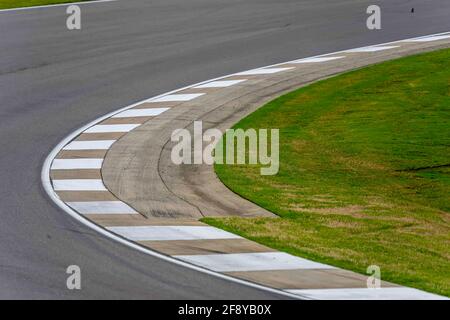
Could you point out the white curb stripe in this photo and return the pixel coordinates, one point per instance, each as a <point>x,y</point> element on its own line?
<point>79,185</point>
<point>177,97</point>
<point>317,60</point>
<point>252,262</point>
<point>160,233</point>
<point>140,113</point>
<point>395,293</point>
<point>427,39</point>
<point>102,207</point>
<point>105,128</point>
<point>371,49</point>
<point>262,71</point>
<point>90,145</point>
<point>72,164</point>
<point>220,84</point>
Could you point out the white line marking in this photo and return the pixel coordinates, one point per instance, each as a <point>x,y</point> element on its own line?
<point>105,128</point>
<point>72,164</point>
<point>395,293</point>
<point>262,71</point>
<point>252,262</point>
<point>176,97</point>
<point>220,84</point>
<point>427,39</point>
<point>102,207</point>
<point>371,49</point>
<point>90,145</point>
<point>140,113</point>
<point>159,233</point>
<point>55,5</point>
<point>317,60</point>
<point>79,185</point>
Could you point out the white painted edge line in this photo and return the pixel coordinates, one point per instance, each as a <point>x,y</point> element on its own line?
<point>262,71</point>
<point>55,5</point>
<point>90,145</point>
<point>317,60</point>
<point>255,261</point>
<point>428,38</point>
<point>47,185</point>
<point>390,293</point>
<point>74,164</point>
<point>166,233</point>
<point>79,185</point>
<point>379,44</point>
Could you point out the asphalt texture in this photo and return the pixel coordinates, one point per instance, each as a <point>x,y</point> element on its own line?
<point>53,81</point>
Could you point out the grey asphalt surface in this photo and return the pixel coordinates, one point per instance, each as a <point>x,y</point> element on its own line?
<point>52,81</point>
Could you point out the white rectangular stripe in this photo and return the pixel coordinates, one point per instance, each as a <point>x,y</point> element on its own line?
<point>251,262</point>
<point>165,233</point>
<point>317,60</point>
<point>104,128</point>
<point>102,207</point>
<point>89,145</point>
<point>220,84</point>
<point>394,293</point>
<point>371,49</point>
<point>177,97</point>
<point>79,185</point>
<point>72,164</point>
<point>150,112</point>
<point>262,71</point>
<point>427,39</point>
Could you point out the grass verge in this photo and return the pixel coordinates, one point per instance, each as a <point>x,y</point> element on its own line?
<point>9,4</point>
<point>364,172</point>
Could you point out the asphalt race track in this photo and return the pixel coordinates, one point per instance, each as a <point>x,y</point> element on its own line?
<point>53,81</point>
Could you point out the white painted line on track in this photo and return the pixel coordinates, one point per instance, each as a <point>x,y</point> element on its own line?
<point>164,233</point>
<point>72,164</point>
<point>220,84</point>
<point>252,262</point>
<point>150,112</point>
<point>371,49</point>
<point>56,5</point>
<point>102,207</point>
<point>177,97</point>
<point>394,293</point>
<point>90,145</point>
<point>105,128</point>
<point>317,60</point>
<point>79,185</point>
<point>428,39</point>
<point>262,71</point>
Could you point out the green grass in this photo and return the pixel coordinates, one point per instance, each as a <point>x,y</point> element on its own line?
<point>364,172</point>
<point>8,4</point>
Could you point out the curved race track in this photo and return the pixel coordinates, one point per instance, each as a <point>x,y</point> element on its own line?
<point>53,81</point>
